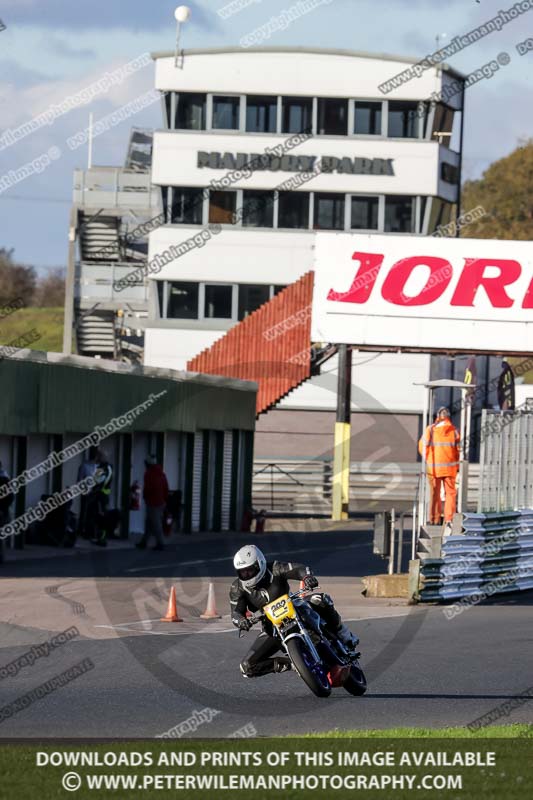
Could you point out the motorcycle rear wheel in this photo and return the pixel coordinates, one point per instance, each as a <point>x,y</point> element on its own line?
<point>355,683</point>
<point>303,661</point>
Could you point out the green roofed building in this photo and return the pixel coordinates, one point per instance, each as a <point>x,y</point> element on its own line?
<point>200,428</point>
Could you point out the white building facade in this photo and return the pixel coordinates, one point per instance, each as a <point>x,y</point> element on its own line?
<point>261,148</point>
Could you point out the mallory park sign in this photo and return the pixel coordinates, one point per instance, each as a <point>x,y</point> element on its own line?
<point>284,163</point>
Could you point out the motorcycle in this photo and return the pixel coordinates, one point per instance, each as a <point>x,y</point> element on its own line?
<point>317,655</point>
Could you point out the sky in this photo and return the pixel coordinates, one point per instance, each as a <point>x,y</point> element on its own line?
<point>52,49</point>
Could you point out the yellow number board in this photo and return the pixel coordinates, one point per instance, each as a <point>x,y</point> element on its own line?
<point>280,609</point>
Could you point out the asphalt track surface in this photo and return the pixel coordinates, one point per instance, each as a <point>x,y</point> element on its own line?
<point>423,669</point>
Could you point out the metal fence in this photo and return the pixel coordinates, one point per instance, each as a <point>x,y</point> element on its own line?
<point>506,460</point>
<point>299,486</point>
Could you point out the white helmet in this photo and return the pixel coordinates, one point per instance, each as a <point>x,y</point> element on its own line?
<point>250,564</point>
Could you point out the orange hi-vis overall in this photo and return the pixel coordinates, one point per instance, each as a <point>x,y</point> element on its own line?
<point>439,447</point>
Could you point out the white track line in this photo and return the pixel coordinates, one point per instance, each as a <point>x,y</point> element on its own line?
<point>208,627</point>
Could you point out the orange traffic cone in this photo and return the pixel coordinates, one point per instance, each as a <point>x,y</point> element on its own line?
<point>172,610</point>
<point>211,610</point>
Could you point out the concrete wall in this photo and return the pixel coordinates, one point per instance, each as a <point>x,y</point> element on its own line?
<point>385,438</point>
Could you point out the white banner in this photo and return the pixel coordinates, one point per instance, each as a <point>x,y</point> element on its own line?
<point>423,293</point>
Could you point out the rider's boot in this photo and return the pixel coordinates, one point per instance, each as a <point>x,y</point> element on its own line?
<point>282,664</point>
<point>349,639</point>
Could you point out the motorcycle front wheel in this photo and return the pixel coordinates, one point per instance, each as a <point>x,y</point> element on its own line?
<point>312,674</point>
<point>355,683</point>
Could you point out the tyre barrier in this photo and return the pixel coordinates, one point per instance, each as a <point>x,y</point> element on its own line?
<point>493,556</point>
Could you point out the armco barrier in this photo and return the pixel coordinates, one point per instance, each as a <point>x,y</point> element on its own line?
<point>304,486</point>
<point>493,556</point>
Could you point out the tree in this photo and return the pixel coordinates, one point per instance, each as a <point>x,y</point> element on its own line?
<point>51,289</point>
<point>16,280</point>
<point>506,193</point>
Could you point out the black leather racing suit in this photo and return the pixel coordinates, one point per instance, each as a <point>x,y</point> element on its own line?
<point>275,582</point>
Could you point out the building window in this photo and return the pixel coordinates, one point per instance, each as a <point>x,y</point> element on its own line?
<point>441,214</point>
<point>182,300</point>
<point>399,214</point>
<point>449,173</point>
<point>329,211</point>
<point>168,105</point>
<point>191,111</point>
<point>218,301</point>
<point>277,289</point>
<point>187,205</point>
<point>297,114</point>
<point>293,210</point>
<point>443,124</point>
<point>258,209</point>
<point>332,117</point>
<point>252,296</point>
<point>261,114</point>
<point>160,286</point>
<point>226,112</point>
<point>365,213</point>
<point>222,207</point>
<point>165,190</point>
<point>367,119</point>
<point>403,119</point>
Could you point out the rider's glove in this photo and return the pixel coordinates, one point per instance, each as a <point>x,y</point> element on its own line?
<point>310,582</point>
<point>244,624</point>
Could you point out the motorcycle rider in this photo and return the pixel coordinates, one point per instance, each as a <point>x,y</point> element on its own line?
<point>260,582</point>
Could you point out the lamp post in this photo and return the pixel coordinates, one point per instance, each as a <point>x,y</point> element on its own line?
<point>182,14</point>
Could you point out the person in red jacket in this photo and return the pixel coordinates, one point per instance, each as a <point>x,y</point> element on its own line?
<point>439,447</point>
<point>155,494</point>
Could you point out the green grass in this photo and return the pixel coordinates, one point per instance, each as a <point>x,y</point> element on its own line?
<point>489,732</point>
<point>48,322</point>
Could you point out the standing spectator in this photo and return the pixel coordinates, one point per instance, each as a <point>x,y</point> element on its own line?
<point>439,447</point>
<point>86,469</point>
<point>5,503</point>
<point>155,494</point>
<point>98,500</point>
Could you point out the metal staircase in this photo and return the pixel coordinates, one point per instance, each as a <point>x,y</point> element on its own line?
<point>96,334</point>
<point>99,238</point>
